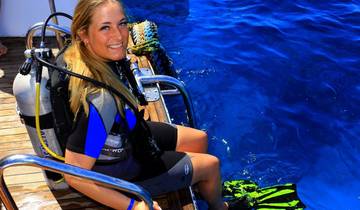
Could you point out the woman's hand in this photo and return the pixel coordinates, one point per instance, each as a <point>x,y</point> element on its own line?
<point>142,206</point>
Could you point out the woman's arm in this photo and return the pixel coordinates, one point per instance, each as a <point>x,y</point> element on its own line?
<point>106,196</point>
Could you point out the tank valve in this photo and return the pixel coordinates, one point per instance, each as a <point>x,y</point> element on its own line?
<point>29,53</point>
<point>26,66</point>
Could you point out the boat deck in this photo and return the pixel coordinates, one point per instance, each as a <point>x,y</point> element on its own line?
<point>27,184</point>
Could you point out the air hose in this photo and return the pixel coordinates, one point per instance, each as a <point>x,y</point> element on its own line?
<point>37,124</point>
<point>38,131</point>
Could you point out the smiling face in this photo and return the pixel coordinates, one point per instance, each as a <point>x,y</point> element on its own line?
<point>107,34</point>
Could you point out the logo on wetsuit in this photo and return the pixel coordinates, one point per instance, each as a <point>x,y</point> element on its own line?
<point>186,169</point>
<point>115,146</point>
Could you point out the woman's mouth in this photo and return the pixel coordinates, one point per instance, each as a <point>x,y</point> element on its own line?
<point>115,46</point>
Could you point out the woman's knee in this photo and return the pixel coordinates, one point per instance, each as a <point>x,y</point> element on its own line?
<point>203,136</point>
<point>204,166</point>
<point>213,162</point>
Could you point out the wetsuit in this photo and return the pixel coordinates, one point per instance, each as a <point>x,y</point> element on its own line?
<point>104,135</point>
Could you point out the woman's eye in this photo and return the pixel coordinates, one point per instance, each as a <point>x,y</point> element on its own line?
<point>104,28</point>
<point>123,24</point>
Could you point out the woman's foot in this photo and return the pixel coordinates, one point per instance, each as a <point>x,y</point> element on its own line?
<point>3,49</point>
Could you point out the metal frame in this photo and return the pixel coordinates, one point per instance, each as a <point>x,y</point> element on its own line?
<point>180,89</point>
<point>57,167</point>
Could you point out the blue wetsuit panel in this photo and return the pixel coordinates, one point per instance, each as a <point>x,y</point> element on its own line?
<point>117,118</point>
<point>130,118</point>
<point>96,134</point>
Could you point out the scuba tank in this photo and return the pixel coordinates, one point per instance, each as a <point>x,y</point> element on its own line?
<point>24,89</point>
<point>24,92</point>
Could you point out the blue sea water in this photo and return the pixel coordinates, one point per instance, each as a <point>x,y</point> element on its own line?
<point>276,84</point>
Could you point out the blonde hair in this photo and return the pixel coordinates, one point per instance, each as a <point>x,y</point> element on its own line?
<point>82,61</point>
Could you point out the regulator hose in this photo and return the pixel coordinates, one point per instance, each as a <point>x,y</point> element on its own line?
<point>43,29</point>
<point>37,123</point>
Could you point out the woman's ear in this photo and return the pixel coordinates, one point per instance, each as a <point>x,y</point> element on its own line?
<point>83,36</point>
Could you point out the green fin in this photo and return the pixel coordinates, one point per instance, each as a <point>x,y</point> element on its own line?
<point>274,197</point>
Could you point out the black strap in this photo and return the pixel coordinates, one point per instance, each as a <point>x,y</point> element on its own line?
<point>46,121</point>
<point>125,67</point>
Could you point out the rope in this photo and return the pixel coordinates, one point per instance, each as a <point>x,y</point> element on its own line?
<point>145,36</point>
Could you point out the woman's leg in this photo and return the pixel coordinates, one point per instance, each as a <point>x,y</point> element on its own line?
<point>191,140</point>
<point>206,174</point>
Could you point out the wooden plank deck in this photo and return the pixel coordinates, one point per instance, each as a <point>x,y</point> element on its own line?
<point>27,184</point>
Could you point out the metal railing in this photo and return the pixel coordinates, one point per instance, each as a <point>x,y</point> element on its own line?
<point>57,167</point>
<point>173,82</point>
<point>38,26</point>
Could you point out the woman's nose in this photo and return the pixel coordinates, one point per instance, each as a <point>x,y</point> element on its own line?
<point>117,33</point>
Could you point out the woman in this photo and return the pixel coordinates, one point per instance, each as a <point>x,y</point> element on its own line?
<point>104,127</point>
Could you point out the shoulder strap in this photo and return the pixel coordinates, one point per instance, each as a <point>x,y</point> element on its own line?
<point>59,96</point>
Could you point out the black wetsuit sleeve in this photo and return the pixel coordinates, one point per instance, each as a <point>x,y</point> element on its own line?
<point>76,141</point>
<point>91,131</point>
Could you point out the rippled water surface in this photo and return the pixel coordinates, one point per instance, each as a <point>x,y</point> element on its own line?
<point>276,85</point>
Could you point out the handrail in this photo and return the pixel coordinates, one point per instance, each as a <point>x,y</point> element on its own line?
<point>174,83</point>
<point>37,26</point>
<point>57,167</point>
